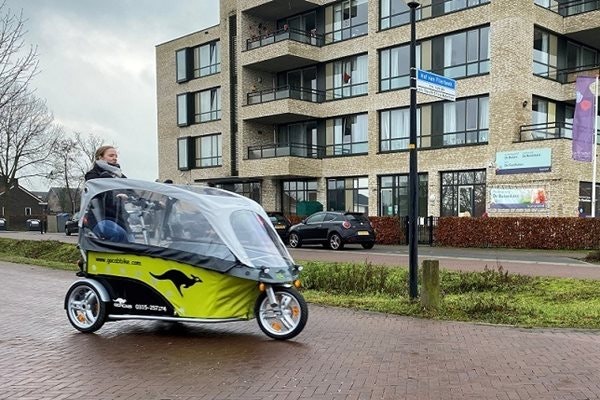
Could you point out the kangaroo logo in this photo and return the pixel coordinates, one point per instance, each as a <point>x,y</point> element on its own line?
<point>178,278</point>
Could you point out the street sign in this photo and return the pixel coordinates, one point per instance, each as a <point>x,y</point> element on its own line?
<point>436,85</point>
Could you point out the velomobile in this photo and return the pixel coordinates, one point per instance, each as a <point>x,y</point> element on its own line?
<point>154,251</point>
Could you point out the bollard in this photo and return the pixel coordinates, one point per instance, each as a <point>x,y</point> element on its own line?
<point>430,296</point>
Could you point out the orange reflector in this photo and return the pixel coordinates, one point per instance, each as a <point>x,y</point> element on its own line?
<point>81,317</point>
<point>297,283</point>
<point>295,311</point>
<point>276,326</point>
<point>261,287</point>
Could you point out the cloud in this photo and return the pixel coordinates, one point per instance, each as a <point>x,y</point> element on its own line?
<point>97,62</point>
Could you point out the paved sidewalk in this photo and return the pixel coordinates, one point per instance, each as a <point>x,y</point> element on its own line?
<point>342,354</point>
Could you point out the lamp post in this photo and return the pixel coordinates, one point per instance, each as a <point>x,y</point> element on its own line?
<point>413,180</point>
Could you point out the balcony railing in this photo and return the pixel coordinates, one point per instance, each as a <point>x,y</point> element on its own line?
<point>437,141</point>
<point>285,92</point>
<point>569,75</point>
<point>285,150</point>
<point>427,11</point>
<point>306,94</point>
<point>545,131</point>
<point>568,8</point>
<point>346,149</point>
<point>297,35</point>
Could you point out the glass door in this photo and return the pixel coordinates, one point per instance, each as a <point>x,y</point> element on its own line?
<point>465,201</point>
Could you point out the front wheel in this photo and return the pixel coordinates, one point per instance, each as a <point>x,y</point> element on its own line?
<point>67,232</point>
<point>85,310</point>
<point>368,245</point>
<point>284,319</point>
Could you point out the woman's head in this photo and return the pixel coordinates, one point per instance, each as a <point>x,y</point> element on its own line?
<point>106,153</point>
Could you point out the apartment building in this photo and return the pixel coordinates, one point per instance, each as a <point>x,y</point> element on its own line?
<point>287,101</point>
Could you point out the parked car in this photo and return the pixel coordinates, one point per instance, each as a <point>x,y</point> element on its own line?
<point>334,230</point>
<point>32,224</point>
<point>281,223</point>
<point>2,224</point>
<point>71,226</point>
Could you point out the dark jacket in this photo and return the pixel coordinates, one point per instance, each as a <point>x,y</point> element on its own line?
<point>97,172</point>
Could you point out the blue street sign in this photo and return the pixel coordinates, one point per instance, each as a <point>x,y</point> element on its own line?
<point>436,85</point>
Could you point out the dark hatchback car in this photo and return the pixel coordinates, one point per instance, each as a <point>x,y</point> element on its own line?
<point>281,223</point>
<point>71,226</point>
<point>333,229</point>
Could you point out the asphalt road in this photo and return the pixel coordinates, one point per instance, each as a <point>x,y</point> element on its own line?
<point>526,262</point>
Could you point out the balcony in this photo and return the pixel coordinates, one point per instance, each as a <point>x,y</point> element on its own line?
<point>281,51</point>
<point>274,9</point>
<point>290,160</point>
<point>312,38</point>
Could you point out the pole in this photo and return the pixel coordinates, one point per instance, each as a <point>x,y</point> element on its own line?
<point>594,151</point>
<point>413,185</point>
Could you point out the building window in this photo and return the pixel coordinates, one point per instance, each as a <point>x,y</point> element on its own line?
<point>183,153</point>
<point>195,62</point>
<point>394,67</point>
<point>466,121</point>
<point>348,194</point>
<point>394,128</point>
<point>545,53</point>
<point>463,193</point>
<point>345,20</point>
<point>247,189</point>
<point>207,59</point>
<point>208,151</point>
<point>183,109</point>
<point>551,120</point>
<point>207,105</point>
<point>181,57</point>
<point>585,199</point>
<point>394,195</point>
<point>295,192</point>
<point>346,135</point>
<point>27,211</point>
<point>346,78</point>
<point>457,55</point>
<point>466,53</point>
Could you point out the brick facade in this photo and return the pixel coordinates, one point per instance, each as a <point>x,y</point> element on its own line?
<point>510,85</point>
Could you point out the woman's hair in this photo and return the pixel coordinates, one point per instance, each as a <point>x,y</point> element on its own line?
<point>101,150</point>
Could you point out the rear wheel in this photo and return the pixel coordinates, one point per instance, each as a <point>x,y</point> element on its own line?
<point>85,310</point>
<point>335,242</point>
<point>67,232</point>
<point>294,240</point>
<point>368,245</point>
<point>286,318</point>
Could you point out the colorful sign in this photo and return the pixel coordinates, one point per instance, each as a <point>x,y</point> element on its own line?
<point>584,119</point>
<point>523,161</point>
<point>526,198</point>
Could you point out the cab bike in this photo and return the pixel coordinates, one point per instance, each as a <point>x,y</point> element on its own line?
<point>153,251</point>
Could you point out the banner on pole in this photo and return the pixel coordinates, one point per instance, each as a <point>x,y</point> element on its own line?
<point>584,119</point>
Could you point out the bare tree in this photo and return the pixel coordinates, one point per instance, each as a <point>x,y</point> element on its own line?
<point>28,138</point>
<point>18,63</point>
<point>73,159</point>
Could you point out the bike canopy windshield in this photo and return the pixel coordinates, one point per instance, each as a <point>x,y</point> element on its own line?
<point>202,226</point>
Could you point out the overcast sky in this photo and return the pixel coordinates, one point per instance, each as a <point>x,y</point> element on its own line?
<point>97,67</point>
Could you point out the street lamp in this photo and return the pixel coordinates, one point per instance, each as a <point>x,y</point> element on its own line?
<point>413,181</point>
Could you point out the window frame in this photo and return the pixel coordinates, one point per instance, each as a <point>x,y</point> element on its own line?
<point>352,192</point>
<point>216,160</point>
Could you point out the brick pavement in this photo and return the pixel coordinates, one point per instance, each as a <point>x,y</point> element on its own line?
<point>342,354</point>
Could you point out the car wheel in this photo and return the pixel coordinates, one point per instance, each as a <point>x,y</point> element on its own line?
<point>67,232</point>
<point>294,240</point>
<point>368,245</point>
<point>335,242</point>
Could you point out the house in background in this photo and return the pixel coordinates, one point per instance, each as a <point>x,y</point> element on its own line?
<point>18,204</point>
<point>59,201</point>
